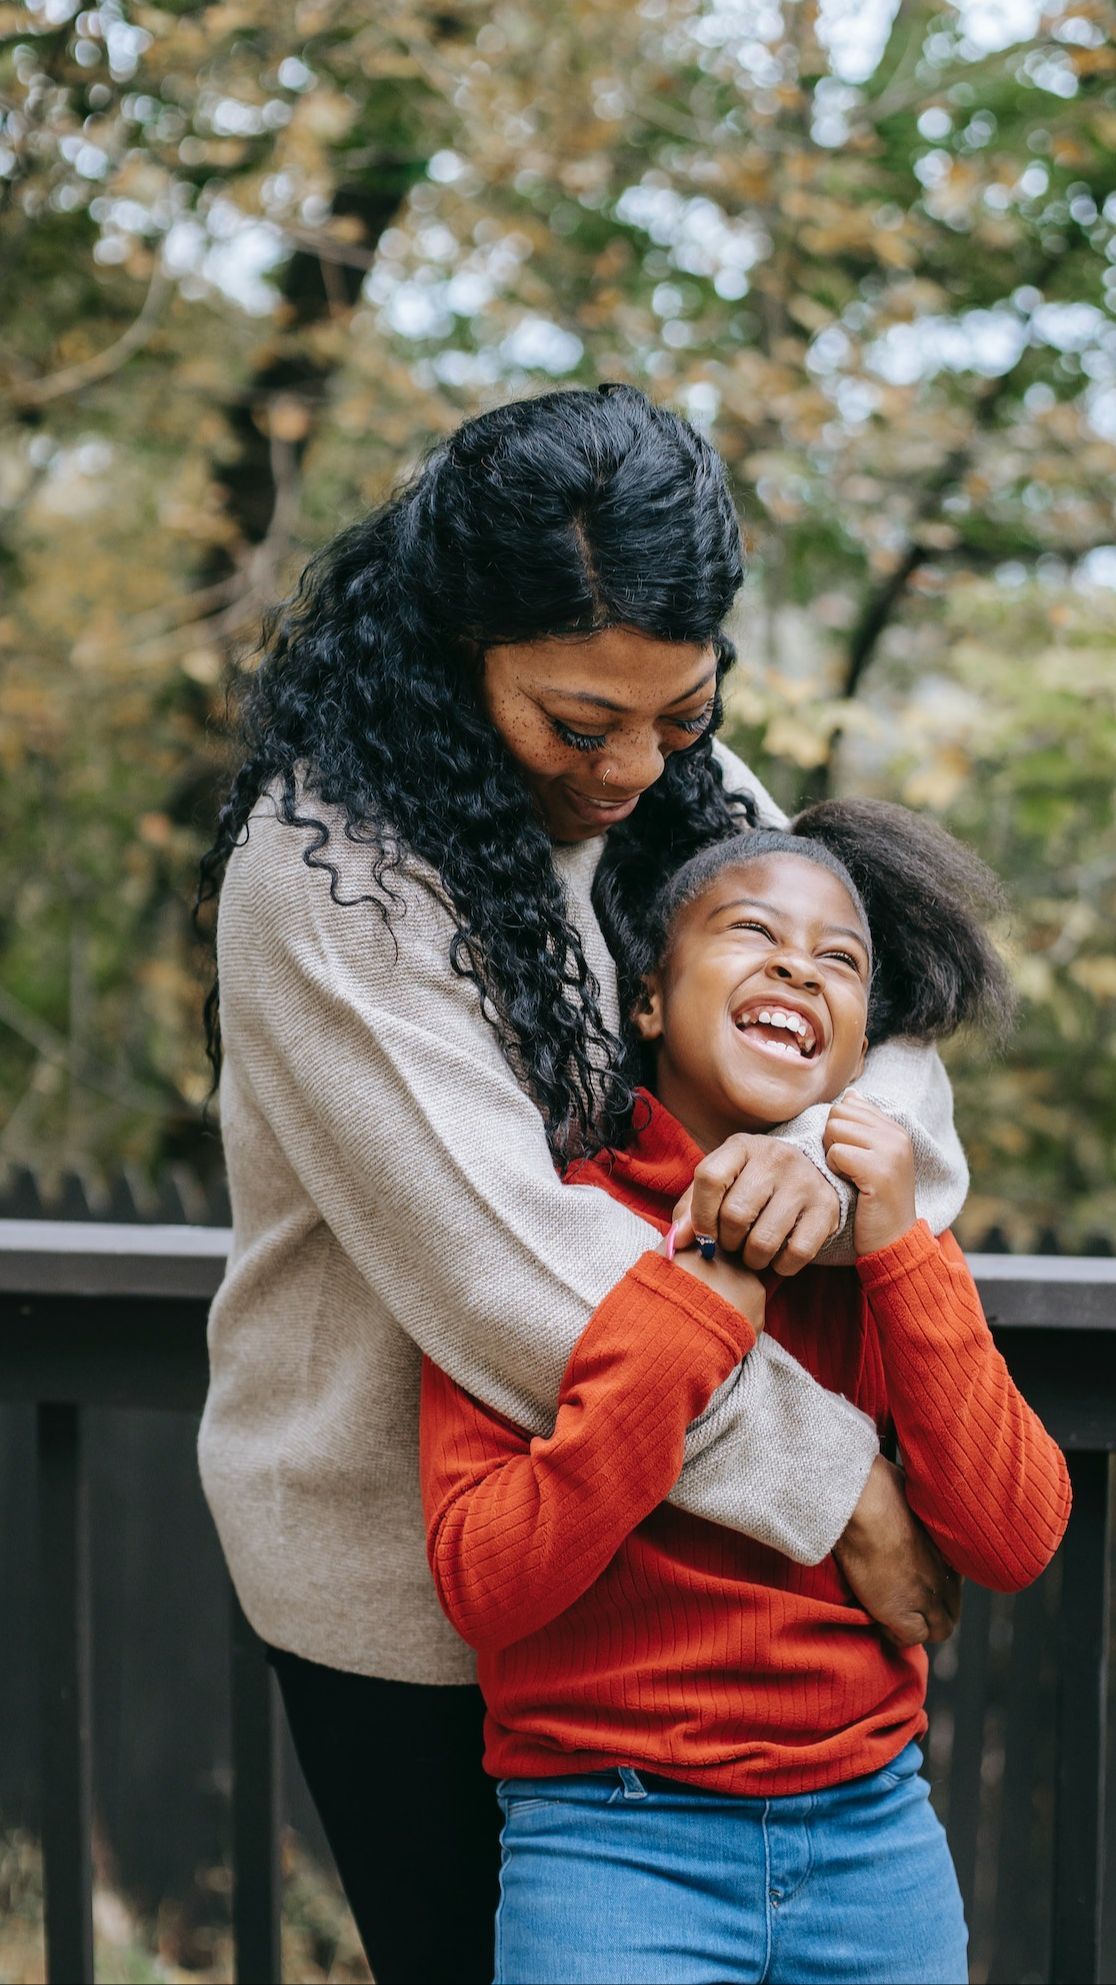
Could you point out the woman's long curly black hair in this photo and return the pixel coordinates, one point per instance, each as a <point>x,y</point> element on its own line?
<point>560,515</point>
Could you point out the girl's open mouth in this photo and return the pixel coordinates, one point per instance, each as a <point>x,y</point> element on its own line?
<point>779,1031</point>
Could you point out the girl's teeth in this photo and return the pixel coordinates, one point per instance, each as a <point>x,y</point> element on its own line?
<point>775,1016</point>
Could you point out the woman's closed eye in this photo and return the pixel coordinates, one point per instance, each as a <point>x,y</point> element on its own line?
<point>694,725</point>
<point>594,741</point>
<point>580,740</point>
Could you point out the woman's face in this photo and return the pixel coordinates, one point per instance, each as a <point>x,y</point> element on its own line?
<point>759,1008</point>
<point>592,721</point>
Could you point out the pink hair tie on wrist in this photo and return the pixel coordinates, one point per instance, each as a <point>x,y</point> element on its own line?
<point>669,1240</point>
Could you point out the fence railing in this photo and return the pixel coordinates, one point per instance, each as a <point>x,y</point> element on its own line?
<point>104,1315</point>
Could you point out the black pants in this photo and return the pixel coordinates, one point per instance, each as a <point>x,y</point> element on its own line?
<point>395,1772</point>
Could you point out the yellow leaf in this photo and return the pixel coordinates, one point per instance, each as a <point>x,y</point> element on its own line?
<point>155,829</point>
<point>938,784</point>
<point>808,312</point>
<point>202,665</point>
<point>1035,979</point>
<point>1096,975</point>
<point>789,737</point>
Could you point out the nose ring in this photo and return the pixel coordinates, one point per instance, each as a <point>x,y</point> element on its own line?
<point>605,776</point>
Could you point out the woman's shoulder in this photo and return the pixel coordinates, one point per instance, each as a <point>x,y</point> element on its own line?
<point>309,939</point>
<point>303,870</point>
<point>739,778</point>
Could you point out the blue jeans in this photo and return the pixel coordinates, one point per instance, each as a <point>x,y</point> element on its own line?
<point>607,1880</point>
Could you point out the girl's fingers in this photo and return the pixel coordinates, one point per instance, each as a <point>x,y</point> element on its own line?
<point>855,1106</point>
<point>849,1130</point>
<point>853,1110</point>
<point>848,1159</point>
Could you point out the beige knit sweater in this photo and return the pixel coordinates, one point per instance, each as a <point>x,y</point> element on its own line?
<point>393,1194</point>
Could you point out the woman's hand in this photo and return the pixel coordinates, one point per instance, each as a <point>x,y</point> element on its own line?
<point>763,1197</point>
<point>875,1154</point>
<point>728,1277</point>
<point>893,1565</point>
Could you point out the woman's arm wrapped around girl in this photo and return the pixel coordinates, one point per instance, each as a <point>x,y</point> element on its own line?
<point>518,1529</point>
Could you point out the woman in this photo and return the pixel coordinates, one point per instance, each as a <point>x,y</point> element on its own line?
<point>521,653</point>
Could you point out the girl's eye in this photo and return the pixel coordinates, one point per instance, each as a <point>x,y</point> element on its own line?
<point>578,739</point>
<point>846,958</point>
<point>741,924</point>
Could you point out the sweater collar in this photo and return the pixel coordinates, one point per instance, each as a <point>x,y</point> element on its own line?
<point>577,861</point>
<point>659,1162</point>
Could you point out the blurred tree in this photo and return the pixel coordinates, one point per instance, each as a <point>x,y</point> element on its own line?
<point>156,163</point>
<point>260,256</point>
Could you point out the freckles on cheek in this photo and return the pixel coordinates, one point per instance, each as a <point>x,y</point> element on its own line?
<point>525,739</point>
<point>508,717</point>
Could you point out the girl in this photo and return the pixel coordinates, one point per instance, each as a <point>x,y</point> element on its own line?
<point>518,658</point>
<point>708,1752</point>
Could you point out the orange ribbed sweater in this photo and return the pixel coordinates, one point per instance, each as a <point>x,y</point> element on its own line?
<point>614,1629</point>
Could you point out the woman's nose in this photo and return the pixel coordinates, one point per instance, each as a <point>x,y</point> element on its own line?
<point>631,764</point>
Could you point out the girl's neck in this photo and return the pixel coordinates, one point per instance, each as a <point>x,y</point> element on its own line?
<point>708,1126</point>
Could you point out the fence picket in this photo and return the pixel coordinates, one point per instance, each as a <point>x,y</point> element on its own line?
<point>64,1697</point>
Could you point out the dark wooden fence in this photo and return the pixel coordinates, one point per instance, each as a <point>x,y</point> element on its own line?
<point>99,1319</point>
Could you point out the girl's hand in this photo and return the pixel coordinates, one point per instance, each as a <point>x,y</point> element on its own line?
<point>874,1153</point>
<point>763,1197</point>
<point>727,1276</point>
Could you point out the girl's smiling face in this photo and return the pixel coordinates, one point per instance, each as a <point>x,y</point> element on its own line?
<point>760,1005</point>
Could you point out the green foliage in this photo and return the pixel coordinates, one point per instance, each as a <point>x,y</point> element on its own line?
<point>259,256</point>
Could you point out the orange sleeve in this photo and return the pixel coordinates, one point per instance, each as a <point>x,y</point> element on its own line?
<point>517,1529</point>
<point>982,1472</point>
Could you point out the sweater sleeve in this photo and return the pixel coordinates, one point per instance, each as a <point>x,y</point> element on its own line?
<point>982,1473</point>
<point>903,1078</point>
<point>518,1529</point>
<point>388,1093</point>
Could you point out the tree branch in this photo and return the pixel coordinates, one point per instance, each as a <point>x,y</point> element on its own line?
<point>74,378</point>
<point>882,603</point>
<point>252,586</point>
<point>51,1046</point>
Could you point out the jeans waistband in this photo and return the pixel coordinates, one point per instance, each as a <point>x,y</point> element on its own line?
<point>637,1783</point>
